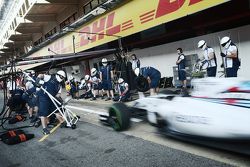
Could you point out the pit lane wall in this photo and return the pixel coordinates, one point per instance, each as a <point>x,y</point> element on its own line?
<point>132,17</point>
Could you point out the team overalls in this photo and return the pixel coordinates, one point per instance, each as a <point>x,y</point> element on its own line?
<point>88,93</point>
<point>46,106</point>
<point>153,74</point>
<point>212,64</point>
<point>16,101</point>
<point>122,88</point>
<point>106,77</point>
<point>29,94</point>
<point>95,82</point>
<point>232,64</point>
<point>181,67</point>
<point>73,88</point>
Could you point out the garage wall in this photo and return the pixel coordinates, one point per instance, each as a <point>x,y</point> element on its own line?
<point>163,57</point>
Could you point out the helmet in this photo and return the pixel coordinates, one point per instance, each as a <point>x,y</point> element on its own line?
<point>93,71</point>
<point>202,44</point>
<point>137,71</point>
<point>225,42</point>
<point>71,77</point>
<point>32,72</point>
<point>60,75</point>
<point>83,83</point>
<point>120,81</point>
<point>104,61</point>
<point>87,77</point>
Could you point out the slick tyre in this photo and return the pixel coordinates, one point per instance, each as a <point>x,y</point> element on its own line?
<point>120,115</point>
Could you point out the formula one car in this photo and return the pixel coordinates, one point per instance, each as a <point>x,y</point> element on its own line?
<point>216,113</point>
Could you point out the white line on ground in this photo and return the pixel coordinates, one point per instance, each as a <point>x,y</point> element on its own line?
<point>98,112</point>
<point>88,110</point>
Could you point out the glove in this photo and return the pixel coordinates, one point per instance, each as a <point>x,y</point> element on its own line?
<point>223,54</point>
<point>39,83</point>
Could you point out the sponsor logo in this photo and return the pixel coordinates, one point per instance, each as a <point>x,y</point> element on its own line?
<point>191,119</point>
<point>169,6</point>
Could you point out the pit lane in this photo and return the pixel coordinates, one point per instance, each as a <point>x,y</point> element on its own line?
<point>93,144</point>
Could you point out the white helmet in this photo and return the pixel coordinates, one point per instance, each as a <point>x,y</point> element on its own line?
<point>32,72</point>
<point>104,62</point>
<point>137,71</point>
<point>60,75</point>
<point>87,77</point>
<point>202,44</point>
<point>120,81</point>
<point>71,77</point>
<point>225,42</point>
<point>93,71</point>
<point>83,83</point>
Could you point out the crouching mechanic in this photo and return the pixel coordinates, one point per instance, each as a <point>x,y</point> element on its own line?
<point>88,87</point>
<point>30,99</point>
<point>153,76</point>
<point>123,89</point>
<point>51,83</point>
<point>95,81</point>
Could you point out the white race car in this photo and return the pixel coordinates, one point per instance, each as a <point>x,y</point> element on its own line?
<point>217,113</point>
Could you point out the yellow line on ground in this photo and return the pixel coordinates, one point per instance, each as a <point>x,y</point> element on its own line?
<point>52,130</point>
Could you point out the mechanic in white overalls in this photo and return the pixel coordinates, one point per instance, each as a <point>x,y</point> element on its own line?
<point>231,59</point>
<point>209,58</point>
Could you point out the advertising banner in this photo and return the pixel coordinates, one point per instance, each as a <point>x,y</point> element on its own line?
<point>132,17</point>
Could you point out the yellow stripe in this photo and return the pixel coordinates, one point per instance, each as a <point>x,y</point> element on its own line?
<point>52,130</point>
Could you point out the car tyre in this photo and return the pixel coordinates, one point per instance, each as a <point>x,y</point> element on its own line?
<point>119,115</point>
